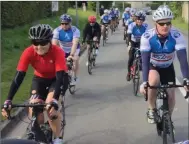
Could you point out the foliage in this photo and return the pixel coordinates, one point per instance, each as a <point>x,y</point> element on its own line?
<point>16,13</point>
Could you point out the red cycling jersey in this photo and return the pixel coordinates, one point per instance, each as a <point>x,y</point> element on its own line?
<point>45,66</point>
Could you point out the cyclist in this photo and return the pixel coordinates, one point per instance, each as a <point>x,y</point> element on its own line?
<point>125,17</point>
<point>134,33</point>
<point>92,31</point>
<point>143,13</point>
<point>105,21</point>
<point>113,18</point>
<point>130,20</point>
<point>49,63</point>
<point>132,17</point>
<point>67,36</point>
<point>158,46</point>
<point>117,13</point>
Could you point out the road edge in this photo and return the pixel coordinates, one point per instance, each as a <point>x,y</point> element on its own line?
<point>7,125</point>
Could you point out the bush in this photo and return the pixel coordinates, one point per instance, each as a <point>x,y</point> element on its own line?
<point>91,5</point>
<point>20,13</point>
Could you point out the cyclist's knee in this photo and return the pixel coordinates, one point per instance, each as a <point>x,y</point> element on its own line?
<point>154,78</point>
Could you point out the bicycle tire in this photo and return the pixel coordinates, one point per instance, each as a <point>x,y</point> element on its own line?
<point>158,107</point>
<point>63,124</point>
<point>136,79</point>
<point>171,128</point>
<point>72,89</point>
<point>164,129</point>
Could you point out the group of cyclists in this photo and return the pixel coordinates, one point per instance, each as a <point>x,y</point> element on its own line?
<point>50,49</point>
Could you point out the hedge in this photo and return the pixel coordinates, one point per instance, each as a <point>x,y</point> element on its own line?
<point>20,13</point>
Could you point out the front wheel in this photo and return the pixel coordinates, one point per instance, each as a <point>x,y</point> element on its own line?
<point>136,77</point>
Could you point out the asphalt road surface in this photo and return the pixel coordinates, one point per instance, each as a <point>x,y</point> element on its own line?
<point>104,110</point>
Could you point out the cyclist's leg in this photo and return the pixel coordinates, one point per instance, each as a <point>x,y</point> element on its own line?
<point>88,38</point>
<point>168,75</point>
<point>76,64</point>
<point>38,95</point>
<point>55,124</point>
<point>95,38</point>
<point>154,80</point>
<point>130,61</point>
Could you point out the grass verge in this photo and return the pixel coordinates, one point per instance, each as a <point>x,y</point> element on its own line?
<point>180,24</point>
<point>13,43</point>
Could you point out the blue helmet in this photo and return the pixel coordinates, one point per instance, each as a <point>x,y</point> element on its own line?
<point>65,18</point>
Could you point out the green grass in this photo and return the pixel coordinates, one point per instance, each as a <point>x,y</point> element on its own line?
<point>180,24</point>
<point>13,43</point>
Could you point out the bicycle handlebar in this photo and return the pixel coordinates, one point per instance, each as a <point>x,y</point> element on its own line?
<point>21,105</point>
<point>164,87</point>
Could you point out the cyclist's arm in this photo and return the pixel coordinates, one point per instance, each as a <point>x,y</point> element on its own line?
<point>61,69</point>
<point>129,32</point>
<point>55,39</point>
<point>182,54</point>
<point>85,32</point>
<point>145,49</point>
<point>75,41</point>
<point>20,73</point>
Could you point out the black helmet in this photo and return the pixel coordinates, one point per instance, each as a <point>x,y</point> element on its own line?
<point>41,32</point>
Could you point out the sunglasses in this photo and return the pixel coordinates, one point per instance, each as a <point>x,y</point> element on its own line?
<point>167,24</point>
<point>41,43</point>
<point>64,23</point>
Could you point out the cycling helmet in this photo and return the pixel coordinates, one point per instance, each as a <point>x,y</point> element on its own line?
<point>65,18</point>
<point>140,15</point>
<point>106,11</point>
<point>41,32</point>
<point>163,12</point>
<point>132,11</point>
<point>183,142</point>
<point>116,9</point>
<point>92,19</point>
<point>127,9</point>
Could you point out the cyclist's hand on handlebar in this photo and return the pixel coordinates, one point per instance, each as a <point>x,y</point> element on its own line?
<point>52,107</point>
<point>143,88</point>
<point>70,57</point>
<point>6,108</point>
<point>186,83</point>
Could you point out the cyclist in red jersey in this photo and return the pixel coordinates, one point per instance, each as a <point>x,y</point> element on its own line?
<point>50,73</point>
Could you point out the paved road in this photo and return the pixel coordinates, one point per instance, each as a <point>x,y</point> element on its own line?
<point>104,110</point>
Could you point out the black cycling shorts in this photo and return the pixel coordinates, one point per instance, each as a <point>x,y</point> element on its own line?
<point>166,74</point>
<point>41,87</point>
<point>90,38</point>
<point>113,18</point>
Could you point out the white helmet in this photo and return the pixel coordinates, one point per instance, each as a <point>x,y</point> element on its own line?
<point>116,9</point>
<point>132,11</point>
<point>127,9</point>
<point>106,11</point>
<point>163,12</point>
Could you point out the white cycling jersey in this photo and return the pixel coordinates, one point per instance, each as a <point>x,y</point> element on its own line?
<point>162,56</point>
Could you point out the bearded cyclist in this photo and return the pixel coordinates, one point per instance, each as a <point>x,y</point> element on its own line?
<point>50,74</point>
<point>158,47</point>
<point>92,31</point>
<point>134,33</point>
<point>67,36</point>
<point>105,21</point>
<point>125,17</point>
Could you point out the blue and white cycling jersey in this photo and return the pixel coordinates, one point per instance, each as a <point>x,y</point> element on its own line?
<point>112,14</point>
<point>146,25</point>
<point>106,18</point>
<point>65,37</point>
<point>128,22</point>
<point>136,31</point>
<point>162,56</point>
<point>117,13</point>
<point>125,16</point>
